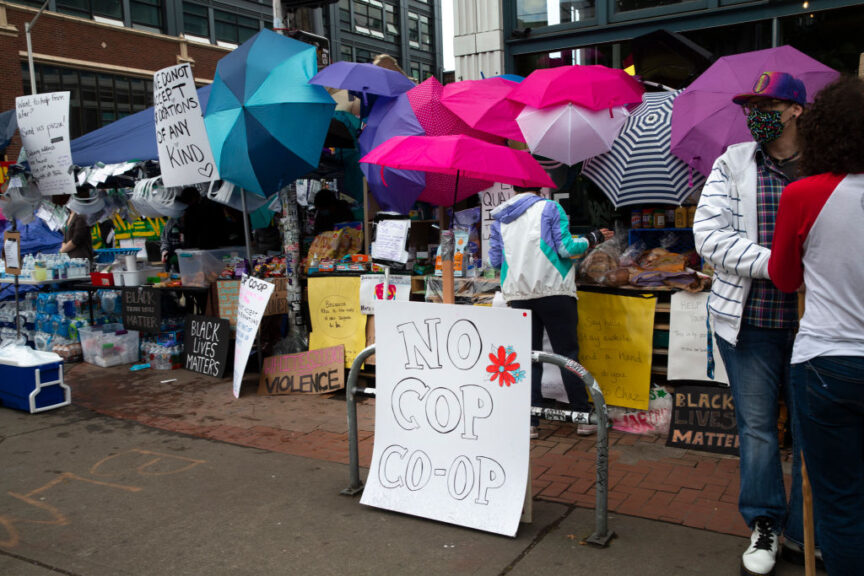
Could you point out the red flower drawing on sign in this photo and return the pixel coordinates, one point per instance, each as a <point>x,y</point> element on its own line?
<point>501,367</point>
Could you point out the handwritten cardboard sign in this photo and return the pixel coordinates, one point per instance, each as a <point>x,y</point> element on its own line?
<point>228,294</point>
<point>142,309</point>
<point>254,295</point>
<point>615,345</point>
<point>313,372</point>
<point>12,252</point>
<point>490,199</point>
<point>688,340</point>
<point>43,122</point>
<point>703,418</point>
<point>206,343</point>
<point>451,420</point>
<point>372,290</point>
<point>185,156</point>
<point>334,308</point>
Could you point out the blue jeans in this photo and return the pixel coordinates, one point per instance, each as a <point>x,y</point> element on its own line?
<point>758,369</point>
<point>829,397</point>
<point>559,315</point>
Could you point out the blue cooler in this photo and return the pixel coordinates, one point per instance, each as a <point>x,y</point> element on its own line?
<point>36,387</point>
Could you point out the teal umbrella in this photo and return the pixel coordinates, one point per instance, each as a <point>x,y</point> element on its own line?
<point>265,123</point>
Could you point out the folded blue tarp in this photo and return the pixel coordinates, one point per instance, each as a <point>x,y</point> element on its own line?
<point>130,138</point>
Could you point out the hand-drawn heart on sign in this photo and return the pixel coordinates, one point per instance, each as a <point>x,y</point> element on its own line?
<point>184,151</point>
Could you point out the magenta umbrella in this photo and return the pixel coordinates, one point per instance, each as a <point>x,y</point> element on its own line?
<point>459,157</point>
<point>484,106</point>
<point>705,121</point>
<point>594,87</point>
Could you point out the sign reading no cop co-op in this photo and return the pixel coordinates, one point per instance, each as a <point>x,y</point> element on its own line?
<point>451,414</point>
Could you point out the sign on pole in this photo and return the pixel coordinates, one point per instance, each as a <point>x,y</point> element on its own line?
<point>452,411</point>
<point>490,199</point>
<point>688,340</point>
<point>43,121</point>
<point>185,156</point>
<point>254,295</point>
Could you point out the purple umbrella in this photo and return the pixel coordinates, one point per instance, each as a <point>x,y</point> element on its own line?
<point>705,121</point>
<point>363,78</point>
<point>418,112</point>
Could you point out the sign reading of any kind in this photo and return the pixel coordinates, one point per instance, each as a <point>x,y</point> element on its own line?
<point>703,418</point>
<point>312,372</point>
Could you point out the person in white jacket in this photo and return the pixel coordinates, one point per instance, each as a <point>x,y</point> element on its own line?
<point>754,322</point>
<point>530,242</point>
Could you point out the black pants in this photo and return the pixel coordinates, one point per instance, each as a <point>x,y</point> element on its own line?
<point>559,315</point>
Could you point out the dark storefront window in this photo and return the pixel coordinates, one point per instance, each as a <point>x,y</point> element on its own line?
<point>539,13</point>
<point>234,28</point>
<point>833,37</point>
<point>94,99</point>
<point>631,5</point>
<point>195,20</point>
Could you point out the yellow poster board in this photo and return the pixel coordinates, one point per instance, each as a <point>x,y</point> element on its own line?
<point>615,344</point>
<point>334,309</point>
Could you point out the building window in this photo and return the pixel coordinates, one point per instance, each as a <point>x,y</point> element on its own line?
<point>369,18</point>
<point>233,28</point>
<point>346,53</point>
<point>95,9</point>
<point>540,13</point>
<point>345,15</point>
<point>425,32</point>
<point>147,15</point>
<point>364,55</point>
<point>413,30</point>
<point>391,20</point>
<point>196,20</point>
<point>630,5</point>
<point>425,71</point>
<point>415,72</point>
<point>94,99</point>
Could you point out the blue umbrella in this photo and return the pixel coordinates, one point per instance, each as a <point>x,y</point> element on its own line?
<point>265,122</point>
<point>640,168</point>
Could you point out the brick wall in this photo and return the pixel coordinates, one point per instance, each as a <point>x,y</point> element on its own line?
<point>91,43</point>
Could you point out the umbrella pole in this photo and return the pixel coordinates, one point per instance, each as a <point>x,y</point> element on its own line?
<point>248,241</point>
<point>448,245</point>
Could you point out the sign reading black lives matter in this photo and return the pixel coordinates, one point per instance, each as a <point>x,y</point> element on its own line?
<point>142,309</point>
<point>185,156</point>
<point>453,394</point>
<point>205,343</point>
<point>703,418</point>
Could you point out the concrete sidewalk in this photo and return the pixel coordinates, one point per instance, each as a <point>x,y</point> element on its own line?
<point>84,494</point>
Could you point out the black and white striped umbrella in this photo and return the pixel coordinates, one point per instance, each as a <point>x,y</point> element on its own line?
<point>640,168</point>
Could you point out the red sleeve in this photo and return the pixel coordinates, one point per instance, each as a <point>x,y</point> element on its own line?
<point>800,205</point>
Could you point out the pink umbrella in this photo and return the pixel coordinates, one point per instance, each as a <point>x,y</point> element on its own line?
<point>594,87</point>
<point>459,156</point>
<point>483,105</point>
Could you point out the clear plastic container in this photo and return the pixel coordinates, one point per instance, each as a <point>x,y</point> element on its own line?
<point>109,345</point>
<point>201,267</point>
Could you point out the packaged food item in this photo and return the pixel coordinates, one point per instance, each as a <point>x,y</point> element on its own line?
<point>636,219</point>
<point>681,217</point>
<point>659,219</point>
<point>647,218</point>
<point>691,215</point>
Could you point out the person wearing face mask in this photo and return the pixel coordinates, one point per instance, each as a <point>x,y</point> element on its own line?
<point>753,321</point>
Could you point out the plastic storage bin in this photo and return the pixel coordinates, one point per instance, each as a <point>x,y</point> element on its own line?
<point>34,388</point>
<point>109,345</point>
<point>201,267</point>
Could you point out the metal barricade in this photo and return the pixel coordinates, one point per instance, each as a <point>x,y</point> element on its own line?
<point>601,535</point>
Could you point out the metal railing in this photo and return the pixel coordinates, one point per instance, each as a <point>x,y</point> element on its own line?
<point>601,535</point>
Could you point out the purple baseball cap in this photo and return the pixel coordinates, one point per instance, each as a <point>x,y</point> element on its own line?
<point>779,85</point>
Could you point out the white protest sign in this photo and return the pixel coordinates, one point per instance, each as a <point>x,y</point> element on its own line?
<point>185,156</point>
<point>43,121</point>
<point>390,239</point>
<point>490,199</point>
<point>688,340</point>
<point>452,413</point>
<point>253,298</point>
<point>372,290</point>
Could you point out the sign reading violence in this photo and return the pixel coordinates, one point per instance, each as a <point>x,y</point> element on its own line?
<point>452,413</point>
<point>703,418</point>
<point>184,151</point>
<point>312,372</point>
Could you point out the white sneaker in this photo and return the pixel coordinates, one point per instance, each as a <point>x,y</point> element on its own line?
<point>586,429</point>
<point>761,555</point>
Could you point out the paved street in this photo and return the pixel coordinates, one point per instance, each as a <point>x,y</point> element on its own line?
<point>193,491</point>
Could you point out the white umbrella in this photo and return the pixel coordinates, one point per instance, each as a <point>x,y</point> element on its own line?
<point>569,133</point>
